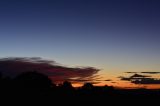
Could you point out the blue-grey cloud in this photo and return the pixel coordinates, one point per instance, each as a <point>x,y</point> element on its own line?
<point>141,79</point>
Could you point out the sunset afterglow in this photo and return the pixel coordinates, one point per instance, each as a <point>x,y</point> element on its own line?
<point>103,42</point>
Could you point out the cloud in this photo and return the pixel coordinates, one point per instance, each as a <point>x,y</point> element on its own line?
<point>133,77</point>
<point>131,72</point>
<point>108,80</point>
<point>151,72</point>
<point>124,78</point>
<point>141,79</point>
<point>147,81</point>
<point>139,76</point>
<point>147,72</point>
<point>58,73</point>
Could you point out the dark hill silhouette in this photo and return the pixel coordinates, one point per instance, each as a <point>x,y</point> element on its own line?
<point>33,87</point>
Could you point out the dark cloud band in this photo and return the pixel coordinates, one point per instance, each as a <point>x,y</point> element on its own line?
<point>148,72</point>
<point>141,79</point>
<point>14,66</point>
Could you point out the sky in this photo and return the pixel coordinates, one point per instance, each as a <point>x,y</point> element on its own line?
<point>115,36</point>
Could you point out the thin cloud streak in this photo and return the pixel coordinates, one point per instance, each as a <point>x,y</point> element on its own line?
<point>147,72</point>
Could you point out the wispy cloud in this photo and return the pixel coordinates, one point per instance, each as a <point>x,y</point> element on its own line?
<point>108,80</point>
<point>14,66</point>
<point>151,72</point>
<point>141,79</point>
<point>131,72</point>
<point>147,72</point>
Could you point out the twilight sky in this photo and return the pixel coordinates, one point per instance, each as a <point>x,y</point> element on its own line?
<point>115,36</point>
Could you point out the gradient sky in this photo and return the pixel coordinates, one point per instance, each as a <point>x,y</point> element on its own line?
<point>112,35</point>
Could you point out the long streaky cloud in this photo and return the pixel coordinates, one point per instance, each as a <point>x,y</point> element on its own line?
<point>147,72</point>
<point>151,72</point>
<point>58,73</point>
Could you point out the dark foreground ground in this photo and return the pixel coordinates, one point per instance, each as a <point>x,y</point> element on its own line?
<point>36,89</point>
<point>81,97</point>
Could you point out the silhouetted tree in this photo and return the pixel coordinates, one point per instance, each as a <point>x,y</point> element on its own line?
<point>106,87</point>
<point>87,86</point>
<point>4,81</point>
<point>33,80</point>
<point>0,75</point>
<point>67,85</point>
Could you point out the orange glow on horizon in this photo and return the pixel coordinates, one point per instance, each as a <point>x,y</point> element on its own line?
<point>123,85</point>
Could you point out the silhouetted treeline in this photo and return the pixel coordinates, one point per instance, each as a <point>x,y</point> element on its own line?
<point>33,87</point>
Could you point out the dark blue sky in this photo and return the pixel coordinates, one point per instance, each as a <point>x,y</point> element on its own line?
<point>114,35</point>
